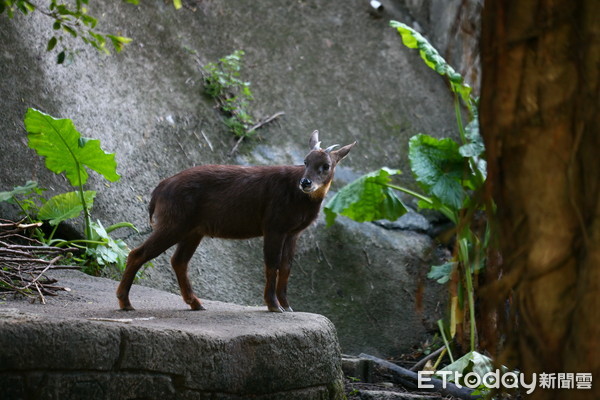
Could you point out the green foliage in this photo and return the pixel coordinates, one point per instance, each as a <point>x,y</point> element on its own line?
<point>65,206</point>
<point>69,19</point>
<point>110,257</point>
<point>65,151</point>
<point>414,40</point>
<point>452,176</point>
<point>28,197</point>
<point>438,167</point>
<point>367,199</point>
<point>233,95</point>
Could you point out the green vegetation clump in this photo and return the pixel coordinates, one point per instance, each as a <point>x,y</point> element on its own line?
<point>68,19</point>
<point>66,152</point>
<point>451,176</point>
<point>223,83</point>
<point>73,20</point>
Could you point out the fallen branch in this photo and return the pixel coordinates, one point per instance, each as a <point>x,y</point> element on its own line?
<point>23,267</point>
<point>265,121</point>
<point>406,375</point>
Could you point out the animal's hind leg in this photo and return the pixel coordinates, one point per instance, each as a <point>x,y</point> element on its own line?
<point>179,261</point>
<point>156,244</point>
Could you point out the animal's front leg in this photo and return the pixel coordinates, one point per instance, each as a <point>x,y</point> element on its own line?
<point>273,248</point>
<point>289,248</point>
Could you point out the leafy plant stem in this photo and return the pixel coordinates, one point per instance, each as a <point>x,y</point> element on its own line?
<point>459,122</point>
<point>62,243</point>
<point>86,212</point>
<point>443,332</point>
<point>410,192</point>
<point>121,225</point>
<point>443,209</point>
<point>439,359</point>
<point>53,232</point>
<point>464,255</point>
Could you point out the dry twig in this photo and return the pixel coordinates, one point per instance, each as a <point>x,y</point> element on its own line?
<point>258,125</point>
<point>23,266</point>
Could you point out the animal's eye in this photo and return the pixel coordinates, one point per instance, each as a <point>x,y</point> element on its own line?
<point>325,167</point>
<point>305,163</point>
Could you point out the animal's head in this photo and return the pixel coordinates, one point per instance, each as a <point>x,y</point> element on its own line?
<point>319,167</point>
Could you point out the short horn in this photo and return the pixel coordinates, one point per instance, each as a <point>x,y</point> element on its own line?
<point>327,150</point>
<point>314,143</point>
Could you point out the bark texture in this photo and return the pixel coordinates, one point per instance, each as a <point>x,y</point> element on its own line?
<point>540,121</point>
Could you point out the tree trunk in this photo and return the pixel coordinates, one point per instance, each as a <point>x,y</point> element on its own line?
<point>540,121</point>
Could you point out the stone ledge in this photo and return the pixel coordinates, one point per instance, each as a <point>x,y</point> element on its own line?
<point>79,344</point>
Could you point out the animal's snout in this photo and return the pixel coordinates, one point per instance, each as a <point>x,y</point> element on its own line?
<point>305,183</point>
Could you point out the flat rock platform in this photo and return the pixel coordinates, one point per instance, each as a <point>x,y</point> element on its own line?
<point>80,346</point>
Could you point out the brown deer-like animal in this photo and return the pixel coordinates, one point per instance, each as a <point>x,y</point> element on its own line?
<point>236,202</point>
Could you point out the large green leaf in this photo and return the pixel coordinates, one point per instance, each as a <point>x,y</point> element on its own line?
<point>65,206</point>
<point>65,150</point>
<point>438,167</point>
<point>367,199</point>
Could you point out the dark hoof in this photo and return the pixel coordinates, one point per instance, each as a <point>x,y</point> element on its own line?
<point>196,305</point>
<point>277,309</point>
<point>288,309</point>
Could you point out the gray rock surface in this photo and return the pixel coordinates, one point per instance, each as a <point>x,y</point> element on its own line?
<point>80,346</point>
<point>331,66</point>
<point>370,282</point>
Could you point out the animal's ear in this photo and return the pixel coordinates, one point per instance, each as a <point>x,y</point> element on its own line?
<point>337,155</point>
<point>314,141</point>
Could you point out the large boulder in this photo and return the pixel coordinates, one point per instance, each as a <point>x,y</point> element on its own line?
<point>331,66</point>
<point>80,346</point>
